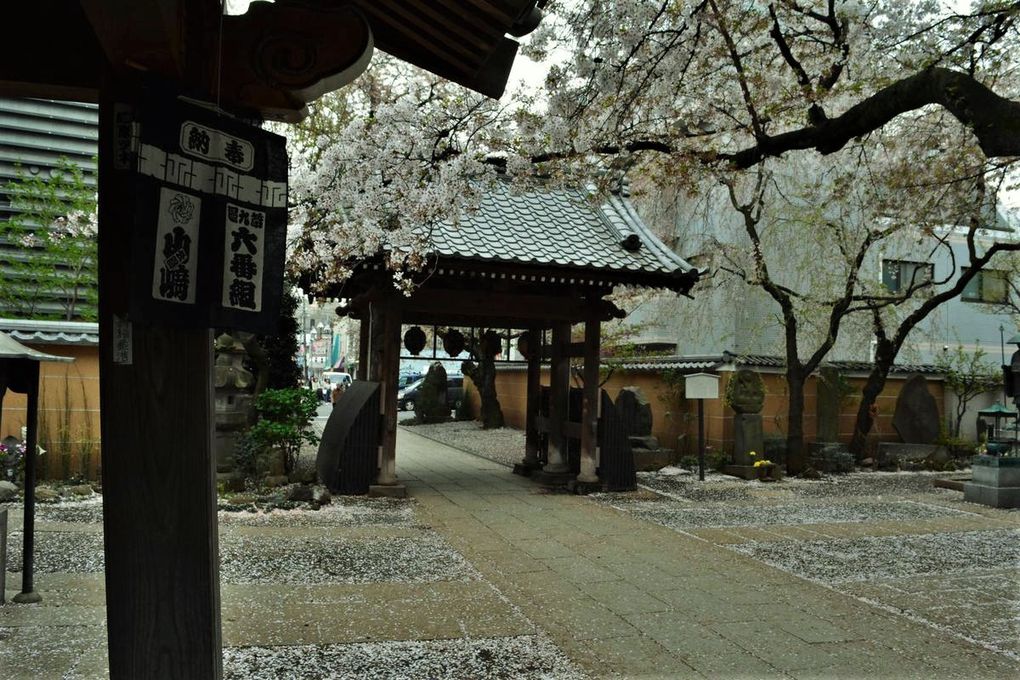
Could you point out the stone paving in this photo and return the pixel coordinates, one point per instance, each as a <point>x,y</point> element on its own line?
<point>483,575</point>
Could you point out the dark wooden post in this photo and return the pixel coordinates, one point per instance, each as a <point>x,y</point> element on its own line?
<point>159,502</point>
<point>386,315</point>
<point>364,345</point>
<point>531,435</point>
<point>28,594</point>
<point>590,401</point>
<point>559,388</point>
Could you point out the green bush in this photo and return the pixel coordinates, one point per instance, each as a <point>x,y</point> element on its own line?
<point>716,460</point>
<point>689,462</point>
<point>284,422</point>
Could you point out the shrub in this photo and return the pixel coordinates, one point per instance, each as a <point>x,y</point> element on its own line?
<point>284,422</point>
<point>689,462</point>
<point>716,460</point>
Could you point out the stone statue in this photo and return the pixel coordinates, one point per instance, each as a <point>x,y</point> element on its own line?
<point>745,392</point>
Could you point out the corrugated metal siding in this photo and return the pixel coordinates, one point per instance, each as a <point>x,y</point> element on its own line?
<point>35,134</point>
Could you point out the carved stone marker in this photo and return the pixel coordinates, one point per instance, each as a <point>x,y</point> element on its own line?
<point>634,411</point>
<point>746,392</point>
<point>746,396</point>
<point>916,418</point>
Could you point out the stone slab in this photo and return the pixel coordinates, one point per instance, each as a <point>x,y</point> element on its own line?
<point>387,491</point>
<point>747,437</point>
<point>647,460</point>
<point>914,452</point>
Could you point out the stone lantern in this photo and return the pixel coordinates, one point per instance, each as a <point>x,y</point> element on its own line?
<point>233,385</point>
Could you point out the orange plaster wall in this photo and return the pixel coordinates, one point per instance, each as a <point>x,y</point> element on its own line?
<point>68,413</point>
<point>675,424</point>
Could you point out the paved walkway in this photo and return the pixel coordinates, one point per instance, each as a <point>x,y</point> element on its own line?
<point>622,596</point>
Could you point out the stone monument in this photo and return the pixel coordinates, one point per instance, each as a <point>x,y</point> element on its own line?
<point>745,394</point>
<point>635,416</point>
<point>826,453</point>
<point>916,420</point>
<point>233,399</point>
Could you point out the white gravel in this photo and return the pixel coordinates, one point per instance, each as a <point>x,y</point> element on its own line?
<point>876,557</point>
<point>344,511</point>
<point>676,516</point>
<point>521,658</point>
<point>328,559</point>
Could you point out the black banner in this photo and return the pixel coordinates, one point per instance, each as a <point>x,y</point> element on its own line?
<point>211,219</point>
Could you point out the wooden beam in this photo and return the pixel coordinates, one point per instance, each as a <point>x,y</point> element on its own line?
<point>159,500</point>
<point>489,305</point>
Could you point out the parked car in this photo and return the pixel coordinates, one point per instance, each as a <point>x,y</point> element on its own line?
<point>407,398</point>
<point>408,378</point>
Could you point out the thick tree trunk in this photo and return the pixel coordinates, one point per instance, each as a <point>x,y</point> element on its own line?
<point>795,454</point>
<point>483,375</point>
<point>884,357</point>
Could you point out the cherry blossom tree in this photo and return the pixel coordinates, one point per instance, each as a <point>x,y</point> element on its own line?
<point>914,106</point>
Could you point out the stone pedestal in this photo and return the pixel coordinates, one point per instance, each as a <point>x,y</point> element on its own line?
<point>387,491</point>
<point>995,482</point>
<point>831,458</point>
<point>747,437</point>
<point>553,479</point>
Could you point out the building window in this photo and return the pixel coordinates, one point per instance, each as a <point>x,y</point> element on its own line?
<point>899,275</point>
<point>988,285</point>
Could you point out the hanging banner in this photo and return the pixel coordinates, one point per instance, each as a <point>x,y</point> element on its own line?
<point>211,219</point>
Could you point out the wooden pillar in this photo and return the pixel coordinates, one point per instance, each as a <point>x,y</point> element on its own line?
<point>559,388</point>
<point>364,345</point>
<point>590,401</point>
<point>386,315</point>
<point>159,501</point>
<point>534,397</point>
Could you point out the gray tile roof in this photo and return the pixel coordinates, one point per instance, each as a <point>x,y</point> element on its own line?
<point>561,228</point>
<point>51,332</point>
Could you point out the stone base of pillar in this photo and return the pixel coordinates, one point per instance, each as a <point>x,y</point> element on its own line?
<point>526,468</point>
<point>558,480</point>
<point>584,488</point>
<point>387,491</point>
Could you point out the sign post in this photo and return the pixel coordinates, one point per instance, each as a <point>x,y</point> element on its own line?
<point>701,386</point>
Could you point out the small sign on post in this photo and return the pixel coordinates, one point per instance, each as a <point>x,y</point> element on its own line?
<point>701,386</point>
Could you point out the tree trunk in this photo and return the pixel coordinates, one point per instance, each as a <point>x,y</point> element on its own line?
<point>884,356</point>
<point>795,454</point>
<point>483,375</point>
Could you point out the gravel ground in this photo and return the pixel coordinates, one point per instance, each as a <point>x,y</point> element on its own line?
<point>504,446</point>
<point>719,488</point>
<point>72,552</point>
<point>876,557</point>
<point>328,559</point>
<point>677,516</point>
<point>344,511</point>
<point>492,658</point>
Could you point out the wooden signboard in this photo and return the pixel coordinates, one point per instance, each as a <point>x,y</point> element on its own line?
<point>210,219</point>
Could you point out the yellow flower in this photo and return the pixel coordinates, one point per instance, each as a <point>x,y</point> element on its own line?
<point>752,454</point>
